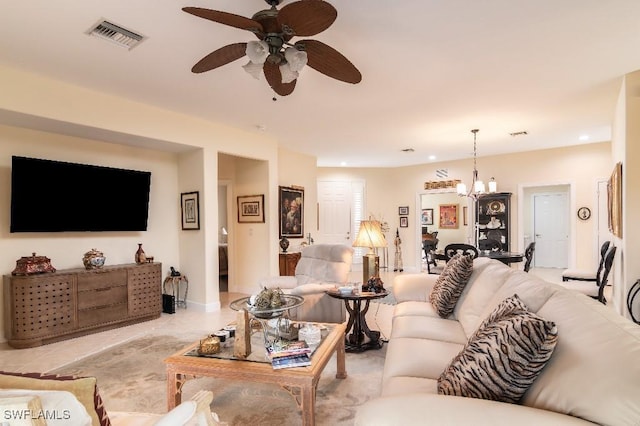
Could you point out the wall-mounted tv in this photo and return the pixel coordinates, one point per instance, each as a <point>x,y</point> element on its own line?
<point>56,196</point>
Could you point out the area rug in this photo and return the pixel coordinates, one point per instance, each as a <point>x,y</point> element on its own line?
<point>131,377</point>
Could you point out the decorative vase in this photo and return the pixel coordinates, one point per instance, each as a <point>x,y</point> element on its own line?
<point>140,257</point>
<point>93,259</point>
<point>284,244</point>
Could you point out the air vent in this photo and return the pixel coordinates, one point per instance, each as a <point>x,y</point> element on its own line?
<point>115,34</point>
<point>442,173</point>
<point>407,150</point>
<point>520,133</point>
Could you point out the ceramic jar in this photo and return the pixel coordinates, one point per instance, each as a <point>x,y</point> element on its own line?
<point>93,259</point>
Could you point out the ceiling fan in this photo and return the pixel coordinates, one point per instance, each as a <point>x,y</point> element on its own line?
<point>273,54</point>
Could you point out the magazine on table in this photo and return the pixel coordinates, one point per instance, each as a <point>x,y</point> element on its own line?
<point>302,360</point>
<point>288,348</point>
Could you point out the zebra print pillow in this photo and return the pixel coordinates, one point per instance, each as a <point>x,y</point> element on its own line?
<point>449,285</point>
<point>503,357</point>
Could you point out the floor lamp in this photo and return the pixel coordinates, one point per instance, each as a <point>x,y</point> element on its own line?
<point>370,236</point>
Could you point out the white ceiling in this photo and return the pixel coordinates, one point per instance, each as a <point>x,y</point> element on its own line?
<point>432,71</point>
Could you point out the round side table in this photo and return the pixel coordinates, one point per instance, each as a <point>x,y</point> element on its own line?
<point>361,337</point>
<point>175,282</point>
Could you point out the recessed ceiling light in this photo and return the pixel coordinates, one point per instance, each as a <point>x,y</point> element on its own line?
<point>343,163</point>
<point>432,157</point>
<point>584,137</point>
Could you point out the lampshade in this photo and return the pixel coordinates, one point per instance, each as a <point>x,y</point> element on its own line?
<point>257,51</point>
<point>288,75</point>
<point>296,59</point>
<point>370,235</point>
<point>254,69</point>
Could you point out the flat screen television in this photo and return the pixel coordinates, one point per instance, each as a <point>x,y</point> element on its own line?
<point>56,196</point>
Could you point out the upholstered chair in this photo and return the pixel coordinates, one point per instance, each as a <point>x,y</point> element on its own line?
<point>321,267</point>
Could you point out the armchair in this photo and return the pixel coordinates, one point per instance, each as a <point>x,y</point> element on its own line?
<point>321,267</point>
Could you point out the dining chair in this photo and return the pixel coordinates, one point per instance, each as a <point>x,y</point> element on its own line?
<point>595,290</point>
<point>528,256</point>
<point>587,275</point>
<point>451,249</point>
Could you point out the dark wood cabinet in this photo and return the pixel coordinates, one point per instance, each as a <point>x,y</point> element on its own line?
<point>492,219</point>
<point>46,308</point>
<point>288,263</point>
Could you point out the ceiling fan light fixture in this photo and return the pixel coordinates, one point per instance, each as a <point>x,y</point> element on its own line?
<point>288,75</point>
<point>257,51</point>
<point>254,69</point>
<point>297,59</point>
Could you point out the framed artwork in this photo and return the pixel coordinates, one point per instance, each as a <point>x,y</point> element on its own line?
<point>427,216</point>
<point>251,209</point>
<point>291,205</point>
<point>404,222</point>
<point>465,214</point>
<point>403,210</point>
<point>190,202</point>
<point>614,198</point>
<point>448,216</point>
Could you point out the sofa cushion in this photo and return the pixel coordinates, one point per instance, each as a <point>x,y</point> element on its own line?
<point>449,286</point>
<point>420,358</point>
<point>503,357</point>
<point>415,308</point>
<point>85,390</point>
<point>594,372</point>
<point>426,327</point>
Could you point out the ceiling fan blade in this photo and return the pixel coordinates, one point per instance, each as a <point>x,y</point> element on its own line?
<point>274,78</point>
<point>225,18</point>
<point>308,17</point>
<point>325,59</point>
<point>220,57</point>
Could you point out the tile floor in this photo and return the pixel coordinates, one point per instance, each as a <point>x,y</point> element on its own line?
<point>186,322</point>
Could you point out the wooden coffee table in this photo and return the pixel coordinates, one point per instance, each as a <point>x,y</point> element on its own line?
<point>300,382</point>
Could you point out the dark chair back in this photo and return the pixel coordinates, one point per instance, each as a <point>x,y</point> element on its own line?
<point>528,255</point>
<point>466,249</point>
<point>603,254</point>
<point>602,280</point>
<point>489,244</point>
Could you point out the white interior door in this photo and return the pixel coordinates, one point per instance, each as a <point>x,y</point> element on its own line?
<point>551,230</point>
<point>334,212</point>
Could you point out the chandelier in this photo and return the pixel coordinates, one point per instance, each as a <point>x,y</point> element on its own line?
<point>477,186</point>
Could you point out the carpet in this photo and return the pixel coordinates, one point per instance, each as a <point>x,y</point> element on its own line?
<point>131,377</point>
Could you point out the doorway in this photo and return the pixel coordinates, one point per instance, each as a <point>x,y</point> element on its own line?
<point>546,212</point>
<point>341,207</point>
<point>224,192</point>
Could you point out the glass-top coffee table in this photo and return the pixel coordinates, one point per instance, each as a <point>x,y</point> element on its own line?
<point>300,382</point>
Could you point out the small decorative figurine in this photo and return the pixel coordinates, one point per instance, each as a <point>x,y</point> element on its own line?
<point>397,262</point>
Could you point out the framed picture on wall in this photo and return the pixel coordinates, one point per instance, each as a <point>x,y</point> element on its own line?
<point>251,208</point>
<point>190,202</point>
<point>291,213</point>
<point>448,216</point>
<point>614,192</point>
<point>404,222</point>
<point>403,210</point>
<point>427,216</point>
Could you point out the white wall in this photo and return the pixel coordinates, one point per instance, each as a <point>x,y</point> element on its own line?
<point>81,125</point>
<point>389,188</point>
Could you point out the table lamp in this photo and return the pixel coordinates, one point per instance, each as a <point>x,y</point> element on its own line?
<point>370,235</point>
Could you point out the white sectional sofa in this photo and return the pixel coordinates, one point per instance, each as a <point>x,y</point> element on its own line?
<point>593,375</point>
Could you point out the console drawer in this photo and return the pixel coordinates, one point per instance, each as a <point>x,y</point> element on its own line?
<point>102,278</point>
<point>102,296</point>
<point>102,314</point>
